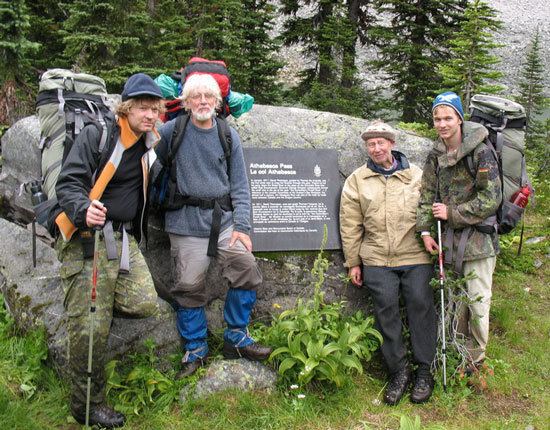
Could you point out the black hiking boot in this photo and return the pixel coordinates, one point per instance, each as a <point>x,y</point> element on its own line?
<point>102,416</point>
<point>399,381</point>
<point>422,388</point>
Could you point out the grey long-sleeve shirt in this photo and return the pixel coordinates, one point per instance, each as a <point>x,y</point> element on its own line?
<point>202,172</point>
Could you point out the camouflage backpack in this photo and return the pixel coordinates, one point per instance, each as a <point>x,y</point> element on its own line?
<point>506,122</point>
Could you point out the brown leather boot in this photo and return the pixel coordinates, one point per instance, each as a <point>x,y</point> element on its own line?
<point>254,351</point>
<point>190,367</point>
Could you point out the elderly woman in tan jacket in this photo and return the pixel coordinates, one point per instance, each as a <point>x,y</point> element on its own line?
<point>382,252</point>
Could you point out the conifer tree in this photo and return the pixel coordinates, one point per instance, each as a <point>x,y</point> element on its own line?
<point>169,38</point>
<point>255,67</point>
<point>238,33</point>
<point>46,19</point>
<point>15,47</point>
<point>329,37</point>
<point>108,38</point>
<point>315,32</point>
<point>360,19</point>
<point>531,87</point>
<point>411,48</point>
<point>470,66</point>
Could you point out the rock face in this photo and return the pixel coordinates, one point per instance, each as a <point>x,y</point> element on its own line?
<point>35,297</point>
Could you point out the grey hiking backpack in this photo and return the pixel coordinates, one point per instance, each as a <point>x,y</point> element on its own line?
<point>66,103</point>
<point>506,122</point>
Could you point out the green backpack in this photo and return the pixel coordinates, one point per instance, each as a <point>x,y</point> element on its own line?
<point>506,122</point>
<point>65,104</point>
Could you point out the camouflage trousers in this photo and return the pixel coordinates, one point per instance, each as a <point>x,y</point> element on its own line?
<point>132,295</point>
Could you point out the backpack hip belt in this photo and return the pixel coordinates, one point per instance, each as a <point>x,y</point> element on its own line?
<point>219,204</point>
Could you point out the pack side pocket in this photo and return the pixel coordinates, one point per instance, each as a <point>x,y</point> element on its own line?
<point>511,215</point>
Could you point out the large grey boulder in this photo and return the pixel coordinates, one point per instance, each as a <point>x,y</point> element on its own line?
<point>34,295</point>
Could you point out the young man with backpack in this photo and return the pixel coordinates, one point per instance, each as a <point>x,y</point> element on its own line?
<point>467,206</point>
<point>210,217</point>
<point>105,190</point>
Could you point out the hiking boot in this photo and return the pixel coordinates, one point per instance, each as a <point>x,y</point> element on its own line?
<point>254,351</point>
<point>399,381</point>
<point>190,367</point>
<point>101,415</point>
<point>422,388</point>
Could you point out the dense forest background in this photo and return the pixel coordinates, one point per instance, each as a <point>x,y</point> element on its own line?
<point>420,47</point>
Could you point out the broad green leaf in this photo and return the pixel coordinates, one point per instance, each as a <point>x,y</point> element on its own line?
<point>351,362</point>
<point>375,333</point>
<point>310,365</point>
<point>286,364</point>
<point>314,349</point>
<point>330,348</point>
<point>279,350</point>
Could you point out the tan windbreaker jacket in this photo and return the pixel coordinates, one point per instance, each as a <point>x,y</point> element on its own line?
<point>378,218</point>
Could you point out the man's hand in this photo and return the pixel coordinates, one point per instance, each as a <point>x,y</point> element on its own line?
<point>354,273</point>
<point>440,211</point>
<point>241,237</point>
<point>430,244</point>
<point>96,214</point>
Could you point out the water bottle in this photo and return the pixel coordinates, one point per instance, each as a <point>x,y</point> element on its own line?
<point>37,195</point>
<point>521,197</point>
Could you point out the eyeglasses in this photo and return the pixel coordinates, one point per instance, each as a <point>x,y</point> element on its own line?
<point>199,96</point>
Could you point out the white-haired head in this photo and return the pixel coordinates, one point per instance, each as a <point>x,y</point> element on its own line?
<point>201,83</point>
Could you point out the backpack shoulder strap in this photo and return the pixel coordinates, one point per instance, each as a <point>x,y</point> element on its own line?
<point>107,133</point>
<point>177,135</point>
<point>469,162</point>
<point>224,132</point>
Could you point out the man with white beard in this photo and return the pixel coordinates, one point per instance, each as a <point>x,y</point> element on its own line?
<point>210,218</point>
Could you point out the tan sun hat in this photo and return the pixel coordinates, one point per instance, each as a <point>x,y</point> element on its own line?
<point>379,128</point>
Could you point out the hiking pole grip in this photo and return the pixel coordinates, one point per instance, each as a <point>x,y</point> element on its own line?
<point>93,296</point>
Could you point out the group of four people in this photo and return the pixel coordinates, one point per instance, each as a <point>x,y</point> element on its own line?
<point>106,189</point>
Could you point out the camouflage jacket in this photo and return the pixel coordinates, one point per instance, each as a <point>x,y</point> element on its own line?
<point>469,201</point>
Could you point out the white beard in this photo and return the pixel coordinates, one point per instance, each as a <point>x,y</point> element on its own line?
<point>204,116</point>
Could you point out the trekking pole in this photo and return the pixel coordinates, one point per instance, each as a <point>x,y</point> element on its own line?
<point>92,315</point>
<point>34,242</point>
<point>442,297</point>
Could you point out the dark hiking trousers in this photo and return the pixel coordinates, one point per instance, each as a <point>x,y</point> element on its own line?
<point>385,285</point>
